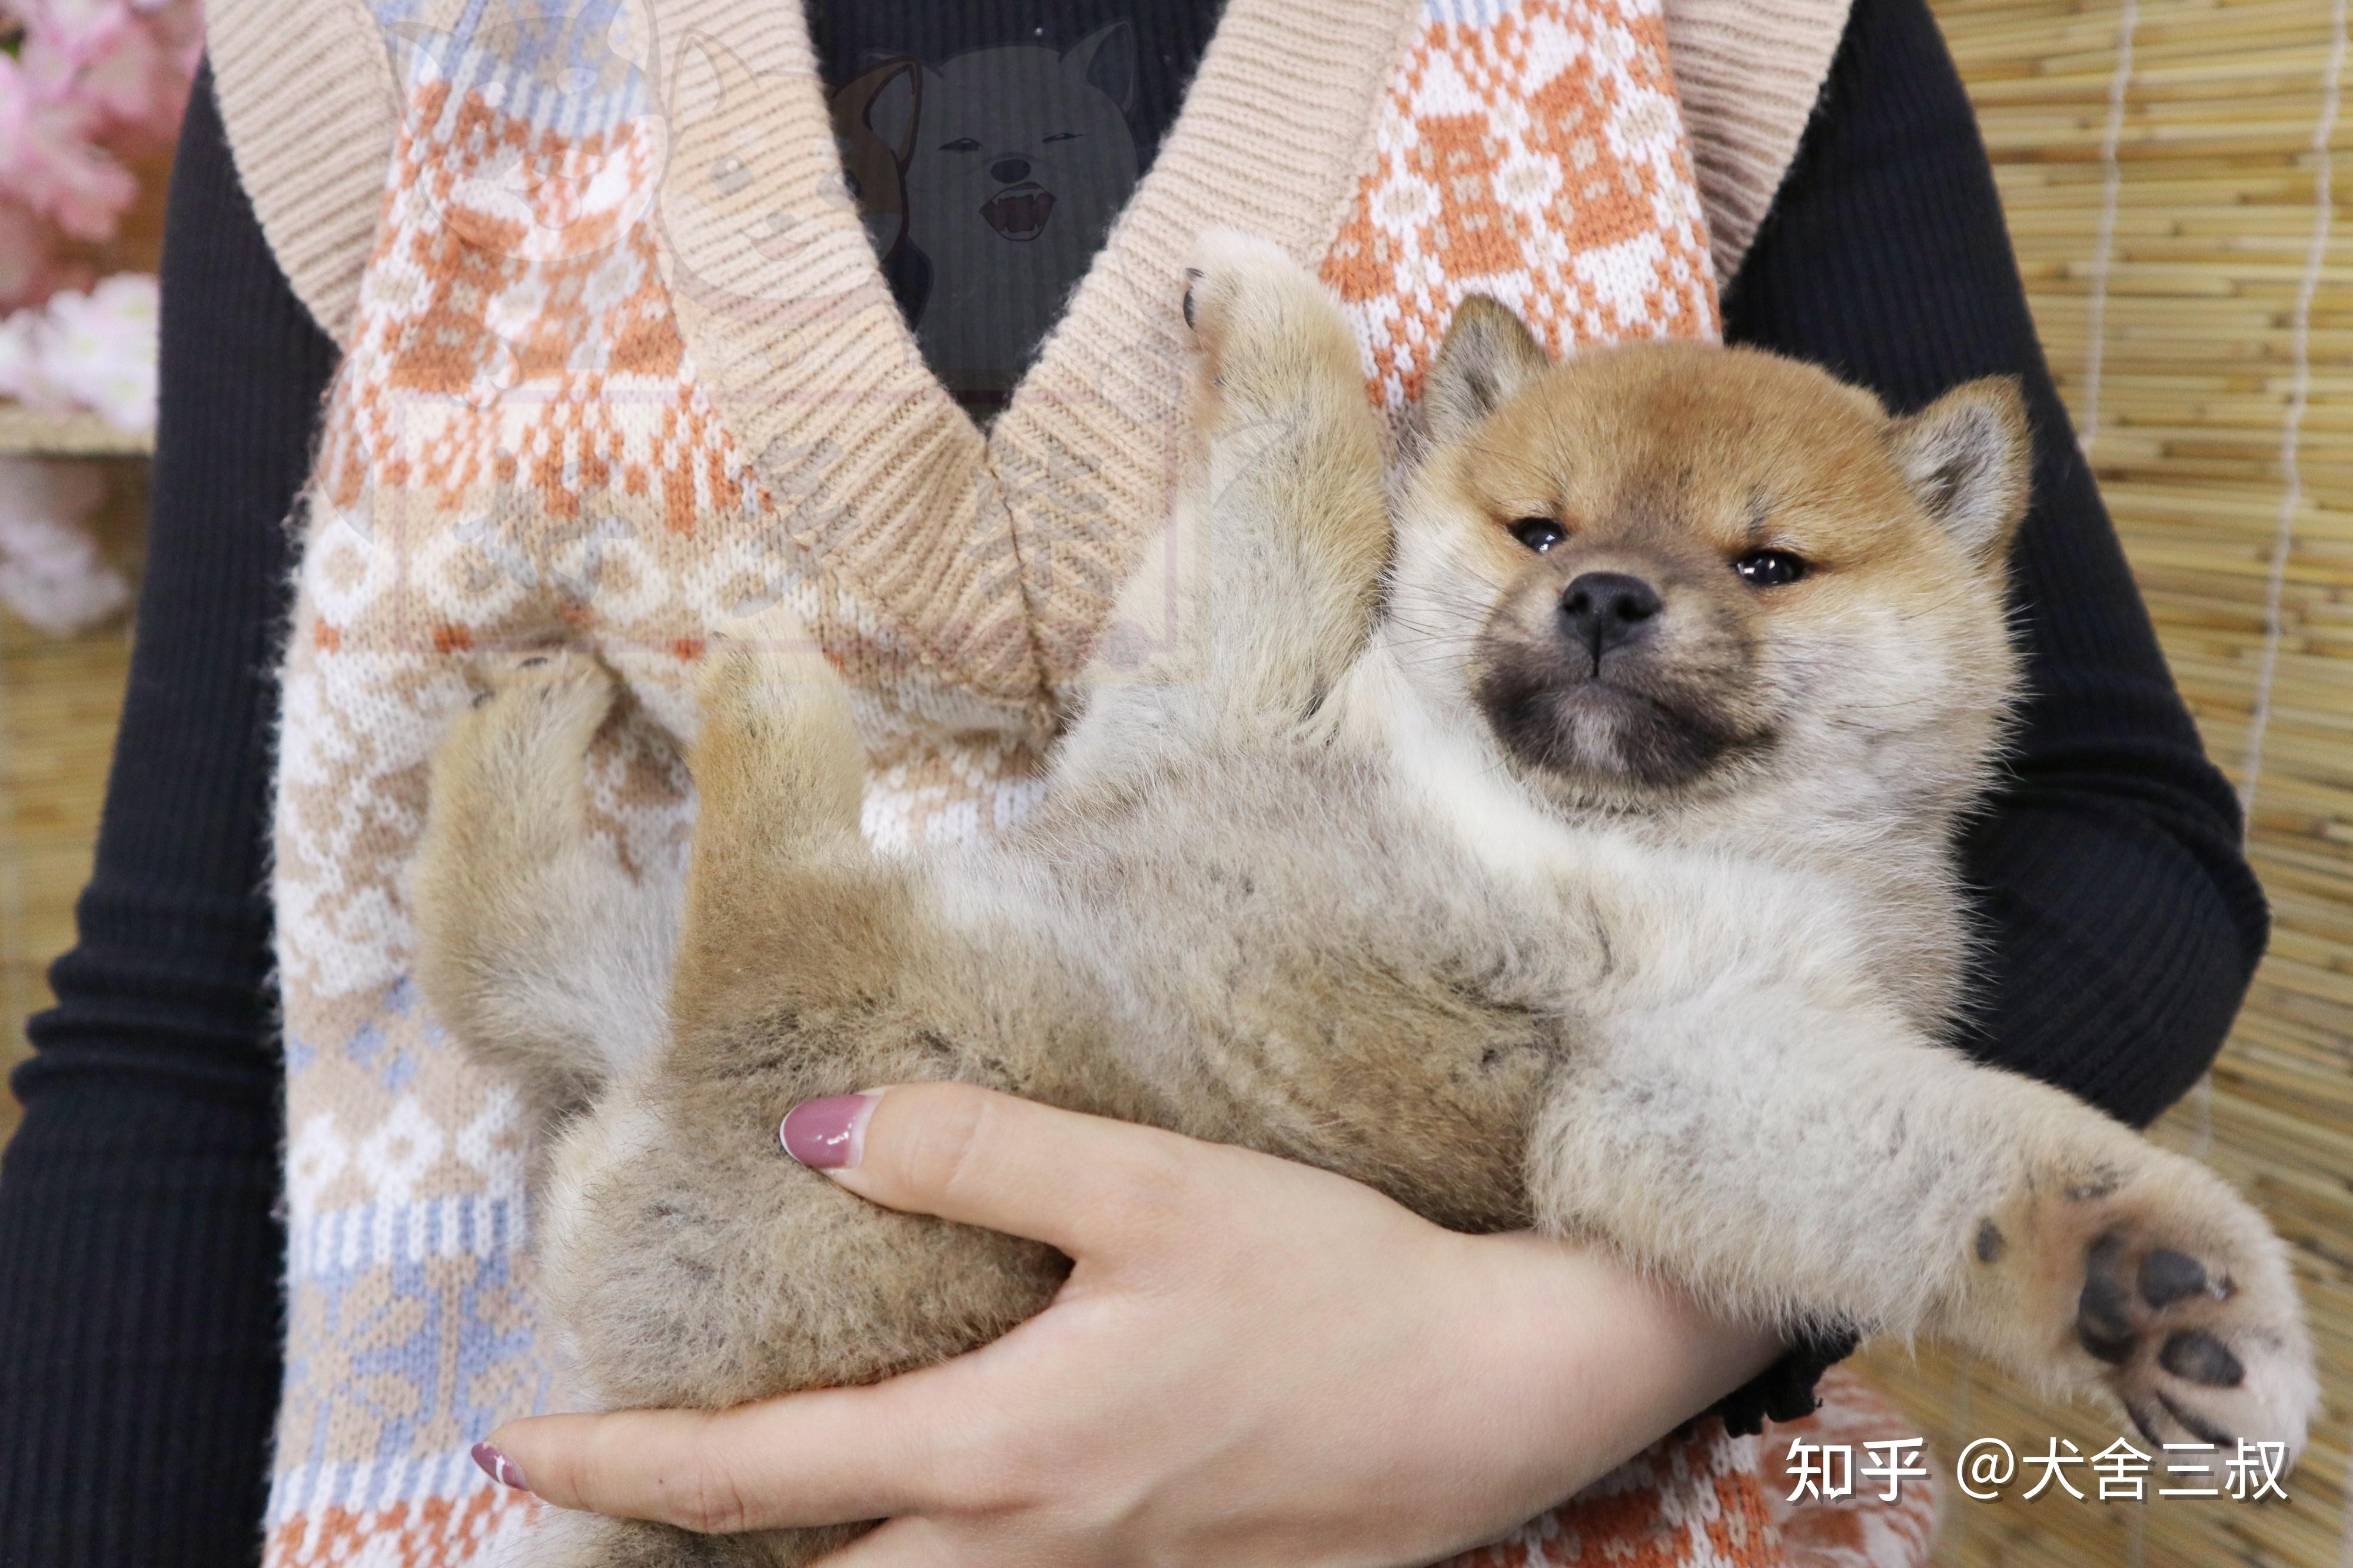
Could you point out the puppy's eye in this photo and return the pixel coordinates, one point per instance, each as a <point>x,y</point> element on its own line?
<point>1538,534</point>
<point>1769,568</point>
<point>961,144</point>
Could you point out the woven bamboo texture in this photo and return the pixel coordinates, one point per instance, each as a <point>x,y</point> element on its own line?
<point>2164,167</point>
<point>26,433</point>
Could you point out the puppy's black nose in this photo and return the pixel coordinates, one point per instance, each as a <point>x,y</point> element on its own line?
<point>1601,610</point>
<point>1009,171</point>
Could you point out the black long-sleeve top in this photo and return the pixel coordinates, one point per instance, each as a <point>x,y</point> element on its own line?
<point>139,1250</point>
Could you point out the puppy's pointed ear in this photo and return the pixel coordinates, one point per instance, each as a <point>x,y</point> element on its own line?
<point>1968,458</point>
<point>1489,354</point>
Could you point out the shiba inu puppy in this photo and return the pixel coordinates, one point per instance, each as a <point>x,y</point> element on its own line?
<point>1577,857</point>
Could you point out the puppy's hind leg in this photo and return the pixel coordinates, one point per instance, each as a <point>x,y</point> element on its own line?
<point>535,946</point>
<point>1263,591</point>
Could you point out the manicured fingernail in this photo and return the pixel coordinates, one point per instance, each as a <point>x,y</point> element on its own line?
<point>499,1469</point>
<point>826,1134</point>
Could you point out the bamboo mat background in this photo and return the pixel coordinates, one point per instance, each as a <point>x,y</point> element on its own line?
<point>2165,165</point>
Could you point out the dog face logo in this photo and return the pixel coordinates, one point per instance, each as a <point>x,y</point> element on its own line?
<point>997,172</point>
<point>1022,158</point>
<point>1021,143</point>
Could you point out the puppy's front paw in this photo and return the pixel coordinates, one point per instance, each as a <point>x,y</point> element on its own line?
<point>557,695</point>
<point>2177,1297</point>
<point>1268,331</point>
<point>511,763</point>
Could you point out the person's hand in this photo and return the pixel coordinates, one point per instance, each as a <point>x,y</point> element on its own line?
<point>1253,1362</point>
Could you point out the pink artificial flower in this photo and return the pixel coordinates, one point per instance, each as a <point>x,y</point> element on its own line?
<point>88,79</point>
<point>21,376</point>
<point>16,101</point>
<point>51,570</point>
<point>47,161</point>
<point>26,262</point>
<point>131,71</point>
<point>99,348</point>
<point>118,78</point>
<point>178,29</point>
<point>80,30</point>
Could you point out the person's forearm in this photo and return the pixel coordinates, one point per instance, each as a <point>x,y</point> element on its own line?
<point>1612,1361</point>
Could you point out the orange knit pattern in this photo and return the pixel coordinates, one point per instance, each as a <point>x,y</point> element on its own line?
<point>1538,158</point>
<point>1701,1500</point>
<point>434,1534</point>
<point>1862,1530</point>
<point>508,358</point>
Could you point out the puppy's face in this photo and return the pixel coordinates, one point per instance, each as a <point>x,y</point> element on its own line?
<point>1667,570</point>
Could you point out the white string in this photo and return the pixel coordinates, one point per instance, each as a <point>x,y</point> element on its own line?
<point>2111,181</point>
<point>2299,396</point>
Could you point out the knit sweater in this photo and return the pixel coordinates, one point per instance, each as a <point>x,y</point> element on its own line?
<point>1926,366</point>
<point>623,367</point>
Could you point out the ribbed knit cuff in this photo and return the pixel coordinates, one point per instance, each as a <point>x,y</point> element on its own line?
<point>139,1414</point>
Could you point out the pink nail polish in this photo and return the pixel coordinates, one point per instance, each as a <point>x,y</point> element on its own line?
<point>499,1469</point>
<point>826,1134</point>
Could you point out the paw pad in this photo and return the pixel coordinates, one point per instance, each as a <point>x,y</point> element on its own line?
<point>2165,1276</point>
<point>2202,1359</point>
<point>2197,1338</point>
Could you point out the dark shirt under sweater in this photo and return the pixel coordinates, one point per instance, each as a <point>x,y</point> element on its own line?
<point>139,1254</point>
